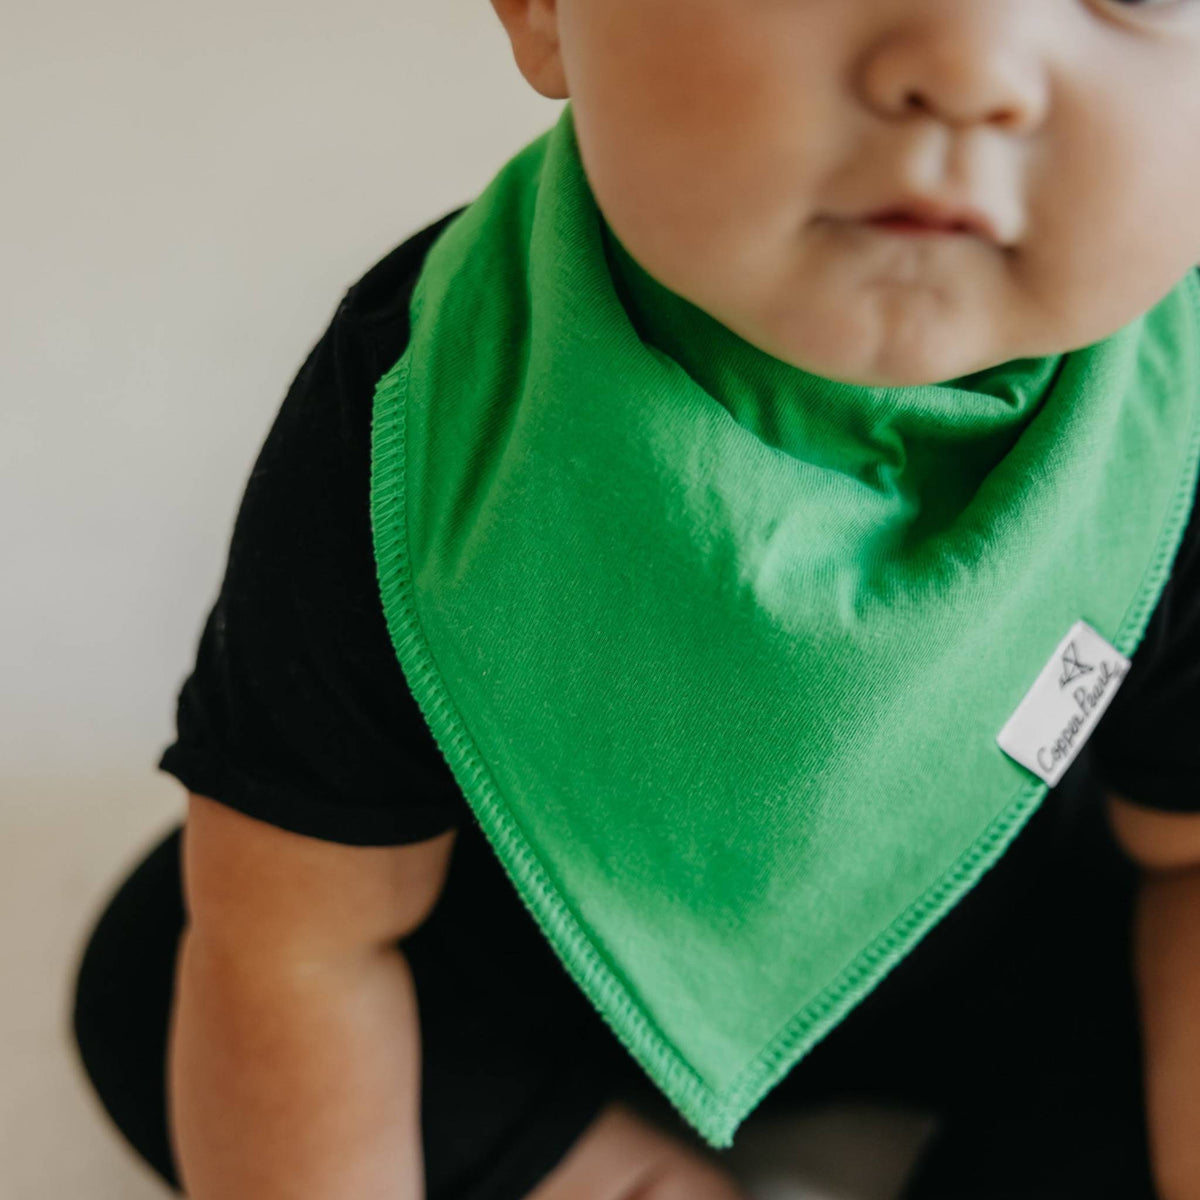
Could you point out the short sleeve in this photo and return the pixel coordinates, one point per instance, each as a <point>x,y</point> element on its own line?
<point>1147,744</point>
<point>296,710</point>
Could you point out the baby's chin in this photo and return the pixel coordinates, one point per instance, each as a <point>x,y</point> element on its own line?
<point>906,338</point>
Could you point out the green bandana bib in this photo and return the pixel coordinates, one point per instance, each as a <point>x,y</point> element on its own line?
<point>748,675</point>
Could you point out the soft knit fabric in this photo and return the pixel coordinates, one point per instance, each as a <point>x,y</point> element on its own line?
<point>718,649</point>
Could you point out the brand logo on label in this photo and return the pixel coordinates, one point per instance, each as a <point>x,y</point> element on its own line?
<point>1072,667</point>
<point>1066,701</point>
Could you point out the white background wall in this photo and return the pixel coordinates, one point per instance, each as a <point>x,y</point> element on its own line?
<point>185,192</point>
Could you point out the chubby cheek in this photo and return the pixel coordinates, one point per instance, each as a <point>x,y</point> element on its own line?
<point>696,128</point>
<point>1113,221</point>
<point>658,81</point>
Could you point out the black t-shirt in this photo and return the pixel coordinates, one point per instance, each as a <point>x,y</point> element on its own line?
<point>297,713</point>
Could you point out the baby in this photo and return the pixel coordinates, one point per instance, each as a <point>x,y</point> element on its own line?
<point>881,193</point>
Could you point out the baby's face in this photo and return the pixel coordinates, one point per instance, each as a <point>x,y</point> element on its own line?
<point>734,146</point>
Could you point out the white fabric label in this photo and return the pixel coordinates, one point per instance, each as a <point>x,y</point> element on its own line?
<point>1067,699</point>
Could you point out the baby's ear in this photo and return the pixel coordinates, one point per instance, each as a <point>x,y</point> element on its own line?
<point>532,27</point>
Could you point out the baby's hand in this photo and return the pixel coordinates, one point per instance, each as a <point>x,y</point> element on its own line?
<point>623,1156</point>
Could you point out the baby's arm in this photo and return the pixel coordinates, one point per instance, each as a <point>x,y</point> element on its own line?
<point>1167,848</point>
<point>294,1066</point>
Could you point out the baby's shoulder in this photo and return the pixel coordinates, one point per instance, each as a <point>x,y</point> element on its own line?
<point>296,711</point>
<point>375,307</point>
